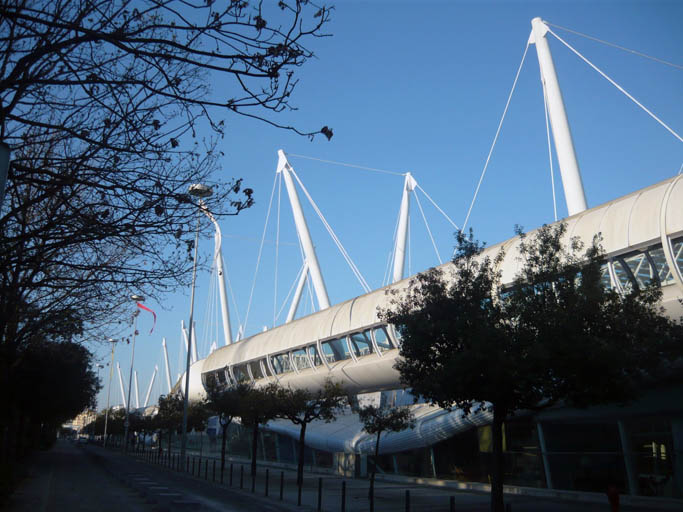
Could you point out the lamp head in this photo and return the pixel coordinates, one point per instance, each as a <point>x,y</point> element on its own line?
<point>137,298</point>
<point>200,190</point>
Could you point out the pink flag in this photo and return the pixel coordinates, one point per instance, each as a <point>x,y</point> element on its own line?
<point>142,306</point>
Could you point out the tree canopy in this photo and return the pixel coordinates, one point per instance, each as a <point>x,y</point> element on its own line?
<point>554,335</point>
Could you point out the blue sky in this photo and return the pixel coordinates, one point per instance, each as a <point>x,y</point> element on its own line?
<point>420,87</point>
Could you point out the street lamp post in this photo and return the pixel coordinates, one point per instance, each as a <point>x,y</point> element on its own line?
<point>111,372</point>
<point>199,191</point>
<point>134,298</point>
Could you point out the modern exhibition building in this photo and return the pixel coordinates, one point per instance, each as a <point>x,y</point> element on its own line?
<point>638,446</point>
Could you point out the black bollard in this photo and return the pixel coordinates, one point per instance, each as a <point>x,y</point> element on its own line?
<point>253,484</point>
<point>298,492</point>
<point>193,458</point>
<point>407,500</point>
<point>187,468</point>
<point>267,475</point>
<point>214,470</point>
<point>343,497</point>
<point>241,476</point>
<point>508,507</point>
<point>282,484</point>
<point>320,494</point>
<point>452,507</point>
<point>231,474</point>
<point>206,469</point>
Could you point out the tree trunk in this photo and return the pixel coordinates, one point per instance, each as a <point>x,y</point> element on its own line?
<point>497,502</point>
<point>302,447</point>
<point>225,438</point>
<point>254,447</point>
<point>374,462</point>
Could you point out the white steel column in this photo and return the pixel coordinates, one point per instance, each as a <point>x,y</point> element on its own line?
<point>297,294</point>
<point>123,392</point>
<point>564,145</point>
<point>402,231</point>
<point>137,392</point>
<point>168,368</point>
<point>304,235</point>
<point>218,256</point>
<point>149,388</point>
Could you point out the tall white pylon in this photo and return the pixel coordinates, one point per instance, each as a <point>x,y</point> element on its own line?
<point>220,270</point>
<point>402,231</point>
<point>304,235</point>
<point>168,367</point>
<point>149,388</point>
<point>564,145</point>
<point>123,392</point>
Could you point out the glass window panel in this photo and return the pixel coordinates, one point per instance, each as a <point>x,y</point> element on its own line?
<point>622,275</point>
<point>382,339</point>
<point>640,268</point>
<point>361,343</point>
<point>240,372</point>
<point>661,266</point>
<point>281,364</point>
<point>300,359</point>
<point>678,253</point>
<point>604,276</point>
<point>336,350</point>
<point>221,376</point>
<point>255,368</point>
<point>266,367</point>
<point>313,352</point>
<point>209,380</point>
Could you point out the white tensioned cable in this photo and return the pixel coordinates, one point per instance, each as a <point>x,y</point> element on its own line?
<point>629,50</point>
<point>336,240</point>
<point>495,139</point>
<point>424,219</point>
<point>277,252</point>
<point>550,149</point>
<point>232,296</point>
<point>382,171</point>
<point>437,207</point>
<point>260,250</point>
<point>653,116</point>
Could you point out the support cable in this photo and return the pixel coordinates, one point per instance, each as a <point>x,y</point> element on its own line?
<point>550,150</point>
<point>437,207</point>
<point>336,240</point>
<point>629,50</point>
<point>616,85</point>
<point>495,138</point>
<point>429,231</point>
<point>260,251</point>
<point>382,171</point>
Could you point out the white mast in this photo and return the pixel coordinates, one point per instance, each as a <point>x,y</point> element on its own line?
<point>123,393</point>
<point>194,347</point>
<point>168,368</point>
<point>151,383</point>
<point>137,393</point>
<point>297,294</point>
<point>218,256</point>
<point>304,235</point>
<point>195,354</point>
<point>402,232</point>
<point>564,145</point>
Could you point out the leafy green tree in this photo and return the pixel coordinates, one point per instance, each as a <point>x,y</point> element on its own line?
<point>225,403</point>
<point>301,407</point>
<point>376,420</point>
<point>258,406</point>
<point>555,335</point>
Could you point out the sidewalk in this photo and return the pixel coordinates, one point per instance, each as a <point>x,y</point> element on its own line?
<point>333,492</point>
